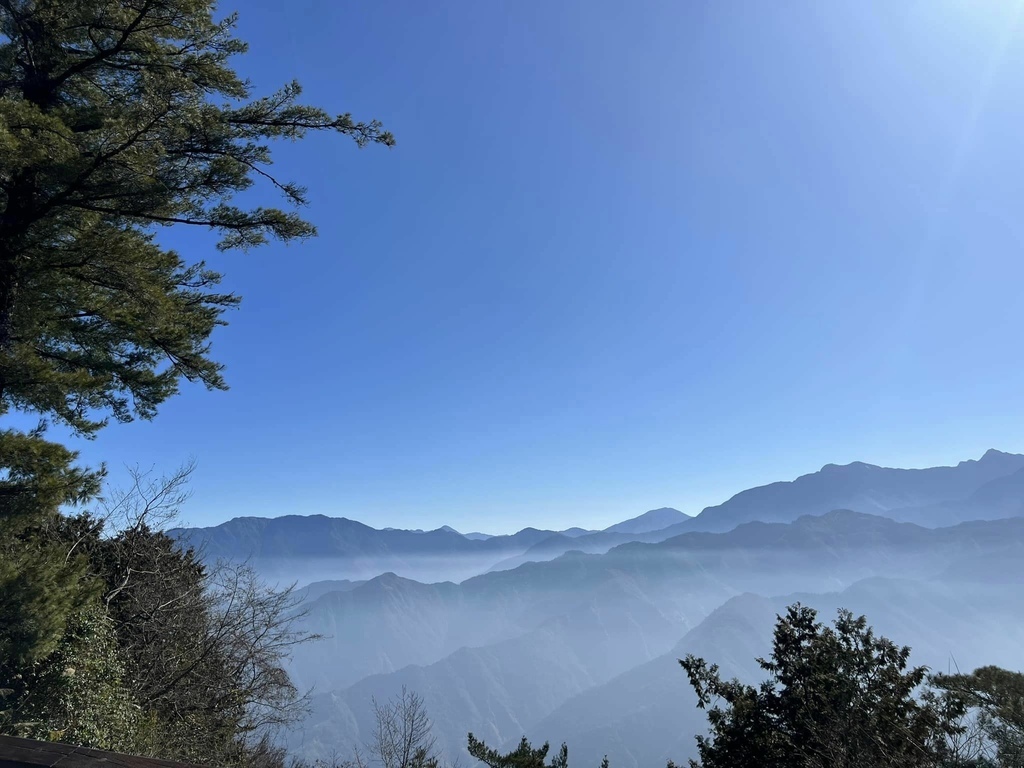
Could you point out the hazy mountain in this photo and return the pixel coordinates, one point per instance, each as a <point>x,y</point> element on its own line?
<point>653,526</point>
<point>311,548</point>
<point>573,634</point>
<point>389,622</point>
<point>446,528</point>
<point>316,547</point>
<point>592,543</point>
<point>384,624</point>
<point>499,689</point>
<point>989,488</point>
<point>655,520</point>
<point>499,653</point>
<point>648,715</point>
<point>317,589</point>
<point>1002,497</point>
<point>863,488</point>
<point>560,544</point>
<point>307,548</point>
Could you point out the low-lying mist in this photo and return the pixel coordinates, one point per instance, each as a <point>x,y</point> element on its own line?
<point>574,636</point>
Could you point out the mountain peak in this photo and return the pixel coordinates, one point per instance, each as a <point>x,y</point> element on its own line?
<point>853,466</point>
<point>992,454</point>
<point>654,520</point>
<point>858,486</point>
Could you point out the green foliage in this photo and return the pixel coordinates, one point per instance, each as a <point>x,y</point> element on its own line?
<point>523,756</point>
<point>161,656</point>
<point>835,697</point>
<point>39,591</point>
<point>118,116</point>
<point>41,583</point>
<point>80,694</point>
<point>38,477</point>
<point>990,701</point>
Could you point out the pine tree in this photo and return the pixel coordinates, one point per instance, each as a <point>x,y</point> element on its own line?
<point>835,697</point>
<point>81,693</point>
<point>41,582</point>
<point>990,701</point>
<point>117,117</point>
<point>523,756</point>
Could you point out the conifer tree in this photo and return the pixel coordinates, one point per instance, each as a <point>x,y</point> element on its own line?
<point>835,697</point>
<point>41,582</point>
<point>991,701</point>
<point>118,118</point>
<point>523,756</point>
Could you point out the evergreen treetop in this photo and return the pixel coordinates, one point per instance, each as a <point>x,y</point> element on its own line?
<point>118,117</point>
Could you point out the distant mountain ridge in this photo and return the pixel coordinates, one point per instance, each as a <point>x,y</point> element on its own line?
<point>574,634</point>
<point>655,520</point>
<point>413,623</point>
<point>991,487</point>
<point>500,653</point>
<point>649,715</point>
<point>336,547</point>
<point>317,547</point>
<point>857,486</point>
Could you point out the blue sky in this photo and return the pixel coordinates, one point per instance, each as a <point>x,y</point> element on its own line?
<point>625,255</point>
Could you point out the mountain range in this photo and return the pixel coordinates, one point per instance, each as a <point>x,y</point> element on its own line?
<point>573,635</point>
<point>501,653</point>
<point>316,547</point>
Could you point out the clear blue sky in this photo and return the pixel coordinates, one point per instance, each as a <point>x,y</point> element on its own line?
<point>625,255</point>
